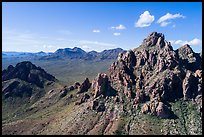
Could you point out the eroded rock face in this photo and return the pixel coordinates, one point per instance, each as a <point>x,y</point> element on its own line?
<point>84,86</point>
<point>154,69</point>
<point>191,85</point>
<point>157,108</point>
<point>100,85</point>
<point>153,39</point>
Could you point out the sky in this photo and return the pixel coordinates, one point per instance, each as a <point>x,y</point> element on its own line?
<point>48,26</point>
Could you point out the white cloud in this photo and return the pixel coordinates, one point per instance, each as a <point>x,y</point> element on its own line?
<point>193,42</point>
<point>65,32</point>
<point>165,20</point>
<point>173,26</point>
<point>15,40</point>
<point>96,31</point>
<point>119,27</point>
<point>116,34</point>
<point>145,20</point>
<point>163,24</point>
<point>95,45</point>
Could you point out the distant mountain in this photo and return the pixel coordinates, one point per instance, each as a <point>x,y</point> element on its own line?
<point>70,53</point>
<point>41,53</point>
<point>11,53</point>
<point>24,54</point>
<point>78,53</point>
<point>110,54</point>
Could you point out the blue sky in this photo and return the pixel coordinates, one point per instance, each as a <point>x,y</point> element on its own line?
<point>47,26</point>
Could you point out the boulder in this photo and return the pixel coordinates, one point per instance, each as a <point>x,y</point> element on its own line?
<point>63,92</point>
<point>84,86</point>
<point>76,85</point>
<point>156,108</point>
<point>145,108</point>
<point>71,88</point>
<point>162,110</point>
<point>83,99</point>
<point>99,106</point>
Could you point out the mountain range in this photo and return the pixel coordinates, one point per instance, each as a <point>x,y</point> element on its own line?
<point>70,53</point>
<point>151,89</point>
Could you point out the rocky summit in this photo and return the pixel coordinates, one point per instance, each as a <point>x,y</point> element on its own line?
<point>21,80</point>
<point>28,72</point>
<point>155,73</point>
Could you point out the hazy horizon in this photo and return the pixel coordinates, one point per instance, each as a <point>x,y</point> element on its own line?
<point>57,49</point>
<point>47,26</point>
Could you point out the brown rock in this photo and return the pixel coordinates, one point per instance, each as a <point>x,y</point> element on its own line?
<point>76,85</point>
<point>162,110</point>
<point>145,109</point>
<point>83,99</point>
<point>187,84</point>
<point>84,86</point>
<point>98,106</point>
<point>63,93</point>
<point>100,85</point>
<point>198,73</point>
<point>71,88</point>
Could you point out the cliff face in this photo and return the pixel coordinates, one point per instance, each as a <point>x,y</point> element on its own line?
<point>154,72</point>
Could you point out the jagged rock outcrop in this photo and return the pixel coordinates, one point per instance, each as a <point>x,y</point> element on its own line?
<point>162,110</point>
<point>100,85</point>
<point>157,108</point>
<point>83,99</point>
<point>154,69</point>
<point>187,85</point>
<point>84,86</point>
<point>154,39</point>
<point>189,59</point>
<point>28,72</point>
<point>63,92</point>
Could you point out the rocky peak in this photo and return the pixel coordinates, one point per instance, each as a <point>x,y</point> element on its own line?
<point>155,70</point>
<point>188,58</point>
<point>155,39</point>
<point>28,72</point>
<point>185,49</point>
